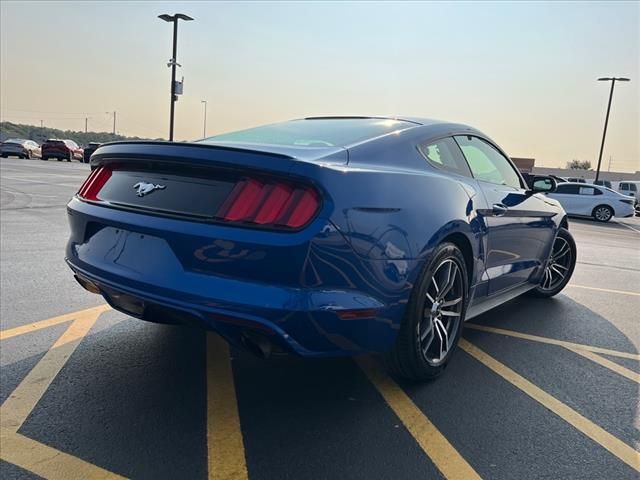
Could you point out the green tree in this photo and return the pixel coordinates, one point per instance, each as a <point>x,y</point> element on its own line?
<point>579,165</point>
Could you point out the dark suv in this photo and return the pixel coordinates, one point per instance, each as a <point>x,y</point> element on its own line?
<point>89,149</point>
<point>61,150</point>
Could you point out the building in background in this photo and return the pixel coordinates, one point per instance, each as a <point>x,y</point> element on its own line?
<point>527,165</point>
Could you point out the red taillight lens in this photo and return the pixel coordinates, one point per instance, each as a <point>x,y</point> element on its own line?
<point>268,203</point>
<point>94,183</point>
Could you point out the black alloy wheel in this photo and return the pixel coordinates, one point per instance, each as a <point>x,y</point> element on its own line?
<point>559,267</point>
<point>433,322</point>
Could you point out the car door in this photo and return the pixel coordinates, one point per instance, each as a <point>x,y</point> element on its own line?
<point>519,225</point>
<point>587,199</point>
<point>567,195</point>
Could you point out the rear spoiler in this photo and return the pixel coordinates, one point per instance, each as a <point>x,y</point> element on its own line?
<point>273,158</point>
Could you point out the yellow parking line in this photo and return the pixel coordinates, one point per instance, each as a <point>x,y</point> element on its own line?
<point>614,445</point>
<point>619,369</point>
<point>226,459</point>
<point>553,341</point>
<point>48,462</point>
<point>628,226</point>
<point>605,290</point>
<point>444,456</point>
<point>29,454</point>
<point>16,408</point>
<point>50,322</point>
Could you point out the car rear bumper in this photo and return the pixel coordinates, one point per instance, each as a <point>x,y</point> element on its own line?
<point>13,151</point>
<point>139,271</point>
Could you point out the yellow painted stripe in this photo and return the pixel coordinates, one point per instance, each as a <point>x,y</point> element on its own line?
<point>31,455</point>
<point>16,408</point>
<point>226,460</point>
<point>605,290</point>
<point>613,444</point>
<point>444,456</point>
<point>619,369</point>
<point>628,226</point>
<point>50,322</point>
<point>48,462</point>
<point>552,341</point>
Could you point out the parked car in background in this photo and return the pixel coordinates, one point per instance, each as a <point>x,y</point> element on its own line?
<point>576,180</point>
<point>88,151</point>
<point>19,147</point>
<point>600,203</point>
<point>629,188</point>
<point>559,179</point>
<point>321,237</point>
<point>61,150</point>
<point>603,183</point>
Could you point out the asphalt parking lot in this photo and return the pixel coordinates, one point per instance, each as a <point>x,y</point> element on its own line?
<point>539,389</point>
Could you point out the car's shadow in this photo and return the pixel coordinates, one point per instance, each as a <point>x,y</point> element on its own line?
<point>132,399</point>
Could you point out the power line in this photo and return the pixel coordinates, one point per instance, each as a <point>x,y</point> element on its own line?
<point>55,113</point>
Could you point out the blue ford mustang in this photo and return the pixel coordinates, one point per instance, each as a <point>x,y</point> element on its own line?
<point>322,236</point>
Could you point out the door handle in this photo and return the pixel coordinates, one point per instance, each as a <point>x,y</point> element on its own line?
<point>499,209</point>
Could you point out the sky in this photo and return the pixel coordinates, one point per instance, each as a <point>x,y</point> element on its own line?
<point>522,72</point>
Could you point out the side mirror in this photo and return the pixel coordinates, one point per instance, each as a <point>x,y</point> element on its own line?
<point>542,184</point>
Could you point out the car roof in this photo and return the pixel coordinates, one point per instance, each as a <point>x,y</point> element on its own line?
<point>404,118</point>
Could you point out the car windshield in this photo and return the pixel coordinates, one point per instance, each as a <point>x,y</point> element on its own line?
<point>321,132</point>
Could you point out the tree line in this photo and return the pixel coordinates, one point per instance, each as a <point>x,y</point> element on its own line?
<point>38,134</point>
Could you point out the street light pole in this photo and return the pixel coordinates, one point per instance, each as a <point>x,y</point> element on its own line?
<point>173,62</point>
<point>606,120</point>
<point>204,128</point>
<point>114,120</point>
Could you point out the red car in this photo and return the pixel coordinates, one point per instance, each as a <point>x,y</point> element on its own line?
<point>61,150</point>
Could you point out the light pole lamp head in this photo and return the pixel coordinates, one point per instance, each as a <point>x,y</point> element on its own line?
<point>175,17</point>
<point>617,79</point>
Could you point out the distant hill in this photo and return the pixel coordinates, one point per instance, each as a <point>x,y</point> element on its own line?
<point>37,134</point>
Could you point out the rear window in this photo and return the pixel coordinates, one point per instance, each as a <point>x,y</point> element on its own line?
<point>52,140</point>
<point>321,132</point>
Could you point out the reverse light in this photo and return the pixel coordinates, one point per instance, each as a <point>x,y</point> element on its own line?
<point>270,203</point>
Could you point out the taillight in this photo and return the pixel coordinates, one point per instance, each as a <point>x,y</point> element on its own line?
<point>270,203</point>
<point>94,183</point>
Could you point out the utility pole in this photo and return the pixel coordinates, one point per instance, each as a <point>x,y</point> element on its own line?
<point>609,167</point>
<point>114,120</point>
<point>86,121</point>
<point>173,62</point>
<point>204,128</point>
<point>606,120</point>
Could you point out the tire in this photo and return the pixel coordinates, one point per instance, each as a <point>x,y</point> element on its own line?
<point>560,266</point>
<point>58,159</point>
<point>44,158</point>
<point>70,157</point>
<point>418,353</point>
<point>28,155</point>
<point>602,213</point>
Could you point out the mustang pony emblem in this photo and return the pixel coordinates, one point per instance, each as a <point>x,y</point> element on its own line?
<point>142,188</point>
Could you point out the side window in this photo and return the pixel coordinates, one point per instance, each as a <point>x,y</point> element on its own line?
<point>568,189</point>
<point>633,187</point>
<point>587,191</point>
<point>445,154</point>
<point>487,163</point>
